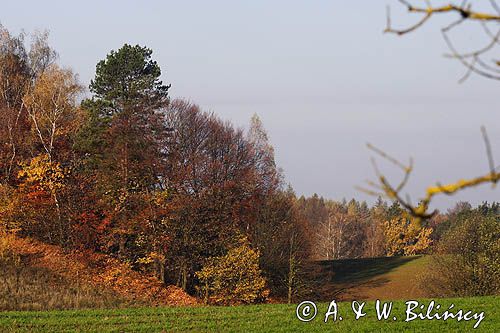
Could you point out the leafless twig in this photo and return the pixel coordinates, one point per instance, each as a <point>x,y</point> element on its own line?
<point>384,188</point>
<point>473,61</point>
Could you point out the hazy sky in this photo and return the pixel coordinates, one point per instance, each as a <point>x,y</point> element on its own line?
<point>320,74</point>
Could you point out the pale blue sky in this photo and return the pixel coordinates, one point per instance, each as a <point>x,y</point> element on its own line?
<point>320,74</point>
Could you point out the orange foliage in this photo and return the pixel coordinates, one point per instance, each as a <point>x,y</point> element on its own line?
<point>101,272</point>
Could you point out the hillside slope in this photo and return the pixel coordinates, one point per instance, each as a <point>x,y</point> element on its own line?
<point>42,276</point>
<point>370,278</point>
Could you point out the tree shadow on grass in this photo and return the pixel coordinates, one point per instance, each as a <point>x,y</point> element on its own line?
<point>339,279</point>
<point>361,270</point>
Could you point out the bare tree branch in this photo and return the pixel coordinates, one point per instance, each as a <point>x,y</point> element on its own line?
<point>421,211</point>
<point>471,60</point>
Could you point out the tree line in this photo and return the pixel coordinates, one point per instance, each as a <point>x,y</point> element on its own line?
<point>169,189</point>
<point>128,171</point>
<point>463,242</point>
<point>352,229</point>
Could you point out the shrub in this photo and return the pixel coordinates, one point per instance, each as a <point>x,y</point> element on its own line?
<point>467,262</point>
<point>406,237</point>
<point>234,278</point>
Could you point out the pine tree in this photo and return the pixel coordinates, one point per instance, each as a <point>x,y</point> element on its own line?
<point>123,139</point>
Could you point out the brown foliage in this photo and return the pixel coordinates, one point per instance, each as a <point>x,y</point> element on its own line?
<point>100,272</point>
<point>159,185</point>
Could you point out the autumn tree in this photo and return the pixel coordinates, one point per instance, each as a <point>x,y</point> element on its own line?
<point>405,236</point>
<point>51,106</point>
<point>281,234</point>
<point>14,79</point>
<point>122,140</point>
<point>313,208</point>
<point>21,65</point>
<point>374,232</point>
<point>332,235</point>
<point>38,103</point>
<point>263,154</point>
<point>233,278</point>
<point>211,177</point>
<point>37,200</point>
<point>343,233</point>
<point>277,227</point>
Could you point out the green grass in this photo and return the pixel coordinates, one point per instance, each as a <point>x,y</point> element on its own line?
<point>258,318</point>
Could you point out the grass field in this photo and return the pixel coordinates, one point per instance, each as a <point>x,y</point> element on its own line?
<point>360,279</point>
<point>258,318</point>
<point>369,278</point>
<point>376,278</point>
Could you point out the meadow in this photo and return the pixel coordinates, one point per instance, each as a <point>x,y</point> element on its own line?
<point>25,288</point>
<point>252,318</point>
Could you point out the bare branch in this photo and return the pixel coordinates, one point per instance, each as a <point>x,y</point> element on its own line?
<point>407,30</point>
<point>385,189</point>
<point>491,161</point>
<point>387,157</point>
<point>464,62</point>
<point>468,72</point>
<point>495,6</point>
<point>475,64</point>
<point>465,12</point>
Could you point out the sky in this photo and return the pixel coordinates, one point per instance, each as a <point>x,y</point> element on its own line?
<point>321,75</point>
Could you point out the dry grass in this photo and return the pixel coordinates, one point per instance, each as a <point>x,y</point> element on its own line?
<point>371,278</point>
<point>23,287</point>
<point>36,276</point>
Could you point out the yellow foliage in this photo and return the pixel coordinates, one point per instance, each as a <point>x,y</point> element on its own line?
<point>41,172</point>
<point>150,258</point>
<point>159,198</point>
<point>51,103</point>
<point>406,237</point>
<point>233,278</point>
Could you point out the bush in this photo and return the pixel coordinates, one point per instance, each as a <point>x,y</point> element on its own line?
<point>406,237</point>
<point>467,262</point>
<point>234,278</point>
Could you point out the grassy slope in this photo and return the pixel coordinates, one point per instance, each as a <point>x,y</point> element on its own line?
<point>371,278</point>
<point>26,287</point>
<point>48,278</point>
<point>38,276</point>
<point>260,318</point>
